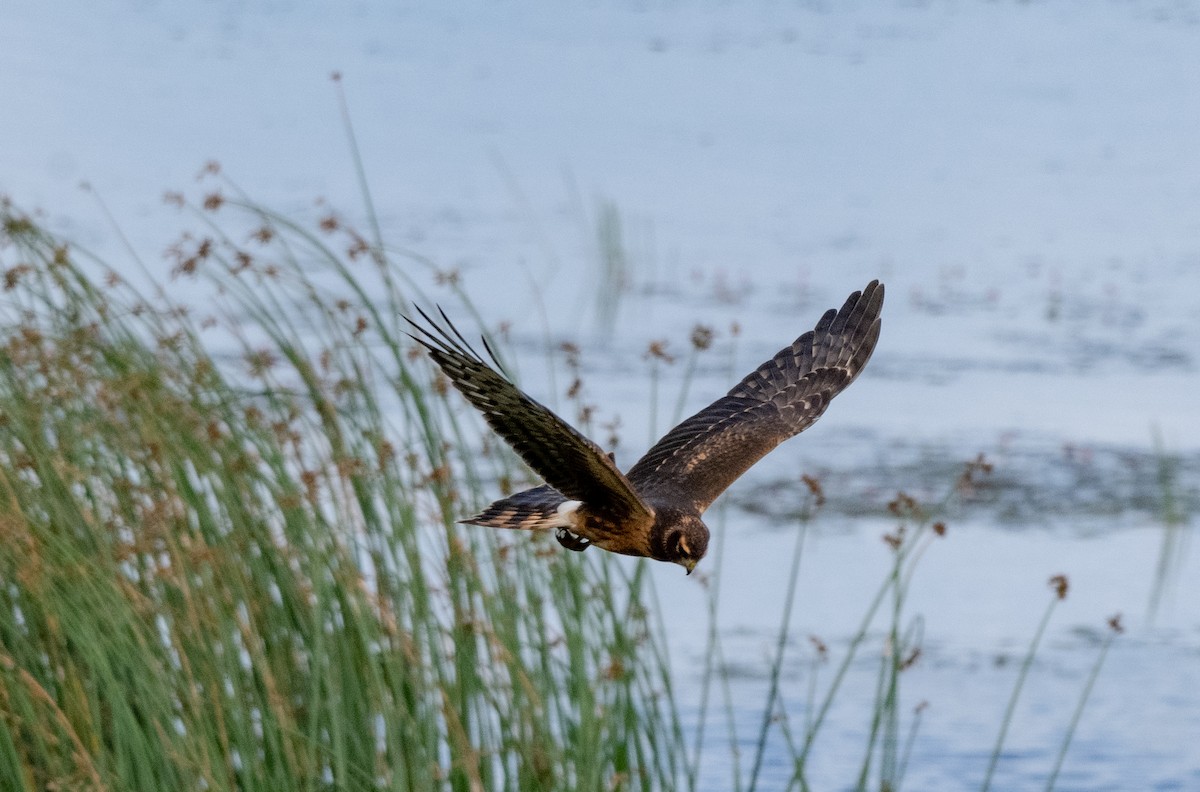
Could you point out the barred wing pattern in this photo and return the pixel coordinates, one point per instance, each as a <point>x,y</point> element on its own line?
<point>564,458</point>
<point>694,462</point>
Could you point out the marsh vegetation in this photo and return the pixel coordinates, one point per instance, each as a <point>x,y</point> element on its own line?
<point>230,560</point>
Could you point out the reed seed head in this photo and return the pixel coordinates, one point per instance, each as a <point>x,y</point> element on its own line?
<point>1060,585</point>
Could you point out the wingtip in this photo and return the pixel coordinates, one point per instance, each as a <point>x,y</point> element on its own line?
<point>424,315</point>
<point>424,335</point>
<point>876,289</point>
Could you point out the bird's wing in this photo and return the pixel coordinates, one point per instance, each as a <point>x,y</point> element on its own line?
<point>564,458</point>
<point>694,462</point>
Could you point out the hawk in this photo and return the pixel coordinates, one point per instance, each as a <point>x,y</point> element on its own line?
<point>654,508</point>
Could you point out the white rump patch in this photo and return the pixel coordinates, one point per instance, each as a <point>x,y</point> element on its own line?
<point>567,514</point>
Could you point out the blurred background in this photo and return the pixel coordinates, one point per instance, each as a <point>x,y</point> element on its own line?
<point>1023,176</point>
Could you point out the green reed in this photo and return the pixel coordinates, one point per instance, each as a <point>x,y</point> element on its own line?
<point>229,558</point>
<point>1173,514</point>
<point>228,550</point>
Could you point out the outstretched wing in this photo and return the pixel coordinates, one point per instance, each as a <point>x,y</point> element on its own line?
<point>694,462</point>
<point>568,461</point>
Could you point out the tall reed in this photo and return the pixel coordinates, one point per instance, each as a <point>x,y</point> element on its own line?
<point>228,553</point>
<point>229,557</point>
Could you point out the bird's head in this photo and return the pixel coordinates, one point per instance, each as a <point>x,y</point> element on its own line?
<point>684,541</point>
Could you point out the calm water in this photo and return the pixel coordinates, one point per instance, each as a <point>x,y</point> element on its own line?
<point>1023,177</point>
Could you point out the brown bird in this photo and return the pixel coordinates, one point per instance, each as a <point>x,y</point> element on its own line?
<point>654,509</point>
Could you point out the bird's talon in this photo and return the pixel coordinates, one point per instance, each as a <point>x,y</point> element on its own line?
<point>571,541</point>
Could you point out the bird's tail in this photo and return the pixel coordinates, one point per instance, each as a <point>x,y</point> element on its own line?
<point>539,509</point>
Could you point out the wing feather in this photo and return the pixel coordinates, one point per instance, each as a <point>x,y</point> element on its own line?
<point>564,458</point>
<point>699,458</point>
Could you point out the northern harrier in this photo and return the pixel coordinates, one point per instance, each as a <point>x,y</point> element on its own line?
<point>654,509</point>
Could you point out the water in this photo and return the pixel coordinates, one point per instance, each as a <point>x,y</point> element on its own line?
<point>1022,176</point>
<point>978,594</point>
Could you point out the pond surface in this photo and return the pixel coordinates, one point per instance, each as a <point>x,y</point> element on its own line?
<point>1024,177</point>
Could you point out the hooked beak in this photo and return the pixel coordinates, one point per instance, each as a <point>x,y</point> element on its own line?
<point>689,565</point>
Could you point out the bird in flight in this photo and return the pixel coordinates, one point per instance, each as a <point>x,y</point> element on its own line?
<point>654,508</point>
